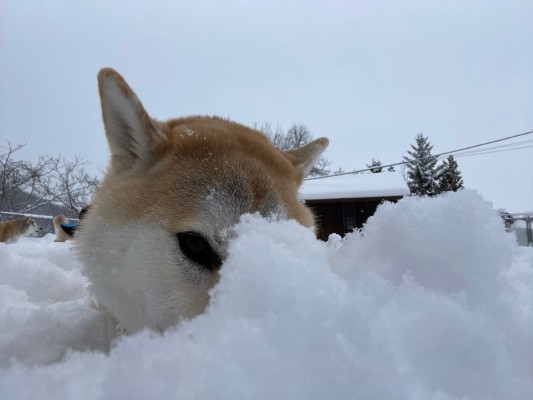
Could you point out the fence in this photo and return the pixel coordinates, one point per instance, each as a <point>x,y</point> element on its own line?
<point>44,221</point>
<point>527,218</point>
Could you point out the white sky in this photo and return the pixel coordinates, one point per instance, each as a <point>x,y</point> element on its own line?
<point>369,75</point>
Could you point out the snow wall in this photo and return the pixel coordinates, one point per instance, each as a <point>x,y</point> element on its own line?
<point>431,300</point>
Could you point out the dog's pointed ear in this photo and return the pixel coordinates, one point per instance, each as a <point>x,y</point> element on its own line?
<point>305,157</point>
<point>131,133</point>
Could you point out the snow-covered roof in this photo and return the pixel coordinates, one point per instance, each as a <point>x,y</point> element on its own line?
<point>356,186</point>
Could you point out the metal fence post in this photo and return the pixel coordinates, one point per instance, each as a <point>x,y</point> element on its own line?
<point>528,231</point>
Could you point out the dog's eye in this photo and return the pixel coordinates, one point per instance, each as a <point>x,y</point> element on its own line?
<point>197,249</point>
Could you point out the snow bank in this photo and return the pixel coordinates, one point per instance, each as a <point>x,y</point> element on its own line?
<point>44,308</point>
<point>432,300</point>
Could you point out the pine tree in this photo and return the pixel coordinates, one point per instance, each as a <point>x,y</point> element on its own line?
<point>450,177</point>
<point>422,170</point>
<point>375,166</point>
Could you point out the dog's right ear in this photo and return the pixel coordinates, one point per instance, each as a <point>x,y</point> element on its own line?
<point>305,157</point>
<point>131,133</point>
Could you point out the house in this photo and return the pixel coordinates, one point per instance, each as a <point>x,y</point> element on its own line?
<point>344,203</point>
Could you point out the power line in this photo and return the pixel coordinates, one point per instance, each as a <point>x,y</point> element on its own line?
<point>494,149</point>
<point>503,145</point>
<point>481,151</point>
<point>491,152</point>
<point>486,143</point>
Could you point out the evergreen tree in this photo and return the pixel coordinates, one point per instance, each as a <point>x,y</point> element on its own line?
<point>450,177</point>
<point>422,170</point>
<point>375,166</point>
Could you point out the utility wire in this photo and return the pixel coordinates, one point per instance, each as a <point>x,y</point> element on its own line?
<point>492,149</point>
<point>500,146</point>
<point>481,151</point>
<point>490,152</point>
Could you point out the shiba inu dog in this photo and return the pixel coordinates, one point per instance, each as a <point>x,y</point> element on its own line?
<point>65,230</point>
<point>11,231</point>
<point>61,234</point>
<point>157,231</point>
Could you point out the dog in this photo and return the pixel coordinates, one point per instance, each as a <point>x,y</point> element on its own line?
<point>11,231</point>
<point>64,230</point>
<point>61,234</point>
<point>157,231</point>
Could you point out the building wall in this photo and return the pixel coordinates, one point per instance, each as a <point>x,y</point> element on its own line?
<point>343,216</point>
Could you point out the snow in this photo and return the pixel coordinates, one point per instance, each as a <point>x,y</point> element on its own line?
<point>28,215</point>
<point>383,184</point>
<point>432,300</point>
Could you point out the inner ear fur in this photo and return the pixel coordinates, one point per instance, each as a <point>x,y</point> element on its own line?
<point>131,133</point>
<point>305,157</point>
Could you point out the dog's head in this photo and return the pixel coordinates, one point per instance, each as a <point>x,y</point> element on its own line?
<point>30,226</point>
<point>157,231</point>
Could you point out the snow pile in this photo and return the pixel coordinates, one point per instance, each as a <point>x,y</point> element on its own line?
<point>433,300</point>
<point>44,308</point>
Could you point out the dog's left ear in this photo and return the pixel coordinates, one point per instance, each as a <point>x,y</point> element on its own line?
<point>305,157</point>
<point>131,133</point>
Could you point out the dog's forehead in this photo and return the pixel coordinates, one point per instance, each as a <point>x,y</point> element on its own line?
<point>206,175</point>
<point>217,176</point>
<point>203,136</point>
<point>221,187</point>
<point>223,205</point>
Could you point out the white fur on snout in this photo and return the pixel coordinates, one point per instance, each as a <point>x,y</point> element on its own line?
<point>139,274</point>
<point>33,228</point>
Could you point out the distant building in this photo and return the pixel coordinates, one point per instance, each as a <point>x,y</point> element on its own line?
<point>344,203</point>
<point>522,225</point>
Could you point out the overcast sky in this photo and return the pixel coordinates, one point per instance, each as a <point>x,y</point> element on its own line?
<point>369,75</point>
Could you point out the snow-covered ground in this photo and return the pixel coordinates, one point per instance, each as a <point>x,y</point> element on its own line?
<point>432,300</point>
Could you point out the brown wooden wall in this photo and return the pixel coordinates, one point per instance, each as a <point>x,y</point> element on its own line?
<point>343,216</point>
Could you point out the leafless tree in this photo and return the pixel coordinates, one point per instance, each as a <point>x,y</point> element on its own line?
<point>26,186</point>
<point>68,183</point>
<point>297,136</point>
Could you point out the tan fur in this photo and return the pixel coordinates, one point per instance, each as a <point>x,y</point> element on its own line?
<point>11,231</point>
<point>214,143</point>
<point>61,235</point>
<point>221,143</point>
<point>189,174</point>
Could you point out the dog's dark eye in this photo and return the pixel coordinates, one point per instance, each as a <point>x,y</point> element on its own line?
<point>197,249</point>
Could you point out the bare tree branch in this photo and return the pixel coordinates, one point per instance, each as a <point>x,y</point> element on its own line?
<point>297,136</point>
<point>52,179</point>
